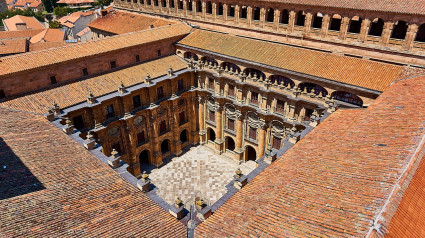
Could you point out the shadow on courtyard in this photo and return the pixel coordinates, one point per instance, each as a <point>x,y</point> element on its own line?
<point>15,178</point>
<point>149,167</point>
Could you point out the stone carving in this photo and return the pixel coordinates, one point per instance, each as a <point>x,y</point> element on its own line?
<point>113,131</point>
<point>139,120</point>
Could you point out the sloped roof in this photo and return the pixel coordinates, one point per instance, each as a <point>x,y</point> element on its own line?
<point>46,45</point>
<point>19,34</point>
<point>354,71</point>
<point>48,35</point>
<point>339,179</point>
<point>74,93</point>
<point>75,1</point>
<point>13,46</point>
<point>51,186</point>
<point>83,32</point>
<point>31,60</point>
<point>73,17</point>
<point>118,22</point>
<point>31,23</point>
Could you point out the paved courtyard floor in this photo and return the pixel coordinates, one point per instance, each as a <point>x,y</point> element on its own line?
<point>197,170</point>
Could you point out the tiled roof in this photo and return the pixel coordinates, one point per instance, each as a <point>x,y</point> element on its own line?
<point>31,23</point>
<point>48,35</point>
<point>50,186</point>
<point>83,32</point>
<point>75,93</point>
<point>335,181</point>
<point>13,46</point>
<point>398,6</point>
<point>19,34</point>
<point>35,3</point>
<point>46,45</point>
<point>73,17</point>
<point>117,22</point>
<point>12,64</point>
<point>359,72</point>
<point>75,1</point>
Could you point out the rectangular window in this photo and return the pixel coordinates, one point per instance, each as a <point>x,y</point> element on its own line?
<point>211,84</point>
<point>254,97</point>
<point>137,58</point>
<point>85,72</point>
<point>252,133</point>
<point>276,143</point>
<point>110,111</point>
<point>280,106</point>
<point>53,79</point>
<point>162,127</point>
<point>182,118</point>
<point>113,64</point>
<point>78,122</point>
<point>2,94</point>
<point>159,53</point>
<point>231,124</point>
<point>116,146</point>
<point>160,92</point>
<point>136,101</point>
<point>211,115</point>
<point>231,91</point>
<point>141,137</point>
<point>180,85</point>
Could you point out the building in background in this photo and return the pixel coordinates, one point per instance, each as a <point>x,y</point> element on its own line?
<point>77,22</point>
<point>34,5</point>
<point>3,6</point>
<point>77,3</point>
<point>20,23</point>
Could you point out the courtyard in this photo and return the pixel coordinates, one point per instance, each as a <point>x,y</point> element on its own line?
<point>198,171</point>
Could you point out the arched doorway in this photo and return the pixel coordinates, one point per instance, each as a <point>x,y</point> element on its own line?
<point>165,146</point>
<point>183,136</point>
<point>376,27</point>
<point>250,153</point>
<point>399,30</point>
<point>211,134</point>
<point>347,97</point>
<point>230,143</point>
<point>144,157</point>
<point>420,36</point>
<point>270,15</point>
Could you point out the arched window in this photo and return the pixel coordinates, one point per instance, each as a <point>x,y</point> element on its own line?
<point>199,6</point>
<point>181,4</point>
<point>355,25</point>
<point>189,5</point>
<point>399,30</point>
<point>256,14</point>
<point>231,10</point>
<point>282,80</point>
<point>231,67</point>
<point>209,61</point>
<point>190,55</point>
<point>171,3</point>
<point>209,7</point>
<point>317,20</point>
<point>255,74</point>
<point>163,3</point>
<point>244,12</point>
<point>155,3</point>
<point>300,18</point>
<point>270,15</point>
<point>348,97</point>
<point>335,23</point>
<point>220,9</point>
<point>311,87</point>
<point>420,36</point>
<point>376,27</point>
<point>284,17</point>
<point>148,2</point>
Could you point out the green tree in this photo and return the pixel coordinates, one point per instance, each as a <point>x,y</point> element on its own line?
<point>55,25</point>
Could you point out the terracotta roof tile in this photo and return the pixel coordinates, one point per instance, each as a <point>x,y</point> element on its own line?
<point>118,22</point>
<point>51,186</point>
<point>13,46</point>
<point>335,181</point>
<point>75,1</point>
<point>75,93</point>
<point>19,34</point>
<point>359,72</point>
<point>12,64</point>
<point>46,45</point>
<point>48,35</point>
<point>31,23</point>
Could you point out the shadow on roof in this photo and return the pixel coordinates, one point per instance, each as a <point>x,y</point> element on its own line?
<point>15,178</point>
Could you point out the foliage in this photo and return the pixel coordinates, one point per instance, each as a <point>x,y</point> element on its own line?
<point>63,11</point>
<point>27,12</point>
<point>49,4</point>
<point>55,25</point>
<point>103,3</point>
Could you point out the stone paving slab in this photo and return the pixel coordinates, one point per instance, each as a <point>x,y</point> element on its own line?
<point>199,170</point>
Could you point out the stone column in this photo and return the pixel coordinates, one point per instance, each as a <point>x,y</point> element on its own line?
<point>219,128</point>
<point>386,33</point>
<point>262,17</point>
<point>325,25</point>
<point>225,12</point>
<point>276,20</point>
<point>237,14</point>
<point>130,136</point>
<point>201,118</point>
<point>214,11</point>
<point>175,128</point>
<point>167,4</point>
<point>176,6</point>
<point>185,8</point>
<point>307,23</point>
<point>410,36</point>
<point>239,137</point>
<point>204,10</point>
<point>344,28</point>
<point>194,120</point>
<point>157,155</point>
<point>291,21</point>
<point>194,8</point>
<point>261,140</point>
<point>364,30</point>
<point>249,15</point>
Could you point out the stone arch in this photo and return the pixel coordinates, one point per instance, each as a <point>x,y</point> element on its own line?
<point>231,67</point>
<point>163,3</point>
<point>250,153</point>
<point>184,136</point>
<point>244,12</point>
<point>209,61</point>
<point>190,55</point>
<point>399,30</point>
<point>189,5</point>
<point>256,14</point>
<point>210,134</point>
<point>155,3</point>
<point>282,80</point>
<point>199,6</point>
<point>317,20</point>
<point>171,3</point>
<point>335,24</point>
<point>254,73</point>
<point>376,27</point>
<point>270,15</point>
<point>209,7</point>
<point>230,10</point>
<point>355,25</point>
<point>148,2</point>
<point>144,157</point>
<point>300,18</point>
<point>230,143</point>
<point>220,9</point>
<point>165,146</point>
<point>420,36</point>
<point>180,4</point>
<point>348,98</point>
<point>311,87</point>
<point>284,17</point>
